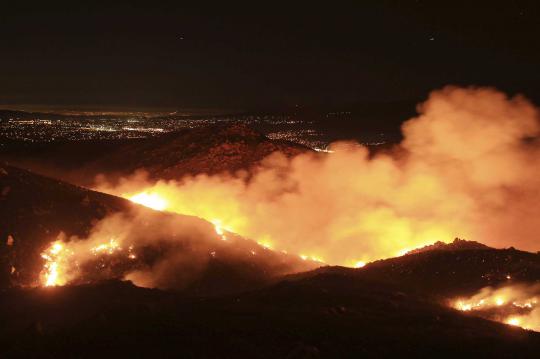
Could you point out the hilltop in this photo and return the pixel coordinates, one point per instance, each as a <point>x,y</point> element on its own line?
<point>211,150</point>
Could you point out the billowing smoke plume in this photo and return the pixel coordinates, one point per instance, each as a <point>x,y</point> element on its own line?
<point>468,167</point>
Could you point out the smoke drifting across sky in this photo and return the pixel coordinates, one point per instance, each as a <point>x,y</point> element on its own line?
<point>468,167</point>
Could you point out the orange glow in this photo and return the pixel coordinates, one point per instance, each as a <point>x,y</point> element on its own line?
<point>220,229</point>
<point>513,321</point>
<point>359,264</point>
<point>150,199</point>
<point>520,299</point>
<point>460,162</point>
<point>62,259</point>
<point>52,274</point>
<point>228,214</point>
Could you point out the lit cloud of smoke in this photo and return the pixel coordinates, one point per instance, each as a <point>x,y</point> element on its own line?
<point>468,167</point>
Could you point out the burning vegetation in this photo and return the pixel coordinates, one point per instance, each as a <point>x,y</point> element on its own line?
<point>467,167</point>
<point>63,260</point>
<point>162,250</point>
<point>513,304</point>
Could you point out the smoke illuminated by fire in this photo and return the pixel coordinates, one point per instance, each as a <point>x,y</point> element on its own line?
<point>468,167</point>
<point>515,305</point>
<point>154,249</point>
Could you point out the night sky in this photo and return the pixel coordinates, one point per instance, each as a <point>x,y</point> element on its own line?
<point>153,55</point>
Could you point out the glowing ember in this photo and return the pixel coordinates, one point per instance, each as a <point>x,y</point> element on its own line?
<point>466,156</point>
<point>150,199</point>
<point>108,248</point>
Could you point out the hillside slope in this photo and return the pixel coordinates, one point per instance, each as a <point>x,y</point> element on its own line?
<point>35,210</point>
<point>457,268</point>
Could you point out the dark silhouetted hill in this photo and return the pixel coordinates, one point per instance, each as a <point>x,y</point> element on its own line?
<point>213,149</point>
<point>458,268</point>
<point>324,316</point>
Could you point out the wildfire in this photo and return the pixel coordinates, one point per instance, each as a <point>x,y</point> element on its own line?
<point>62,259</point>
<point>513,321</point>
<point>359,264</point>
<point>220,229</point>
<point>514,305</point>
<point>465,159</point>
<point>468,305</point>
<point>150,199</point>
<point>108,248</point>
<point>51,274</point>
<point>227,217</point>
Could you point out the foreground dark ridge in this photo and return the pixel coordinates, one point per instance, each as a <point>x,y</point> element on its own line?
<point>327,315</point>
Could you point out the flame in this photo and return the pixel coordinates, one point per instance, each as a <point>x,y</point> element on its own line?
<point>52,274</point>
<point>212,199</point>
<point>514,305</point>
<point>359,264</point>
<point>155,199</point>
<point>61,259</point>
<point>463,158</point>
<point>108,248</point>
<point>160,197</point>
<point>149,199</point>
<point>220,228</point>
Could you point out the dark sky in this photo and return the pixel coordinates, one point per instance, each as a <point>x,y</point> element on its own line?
<point>163,55</point>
